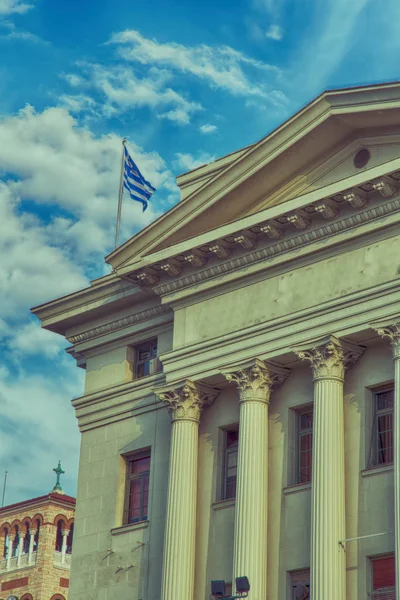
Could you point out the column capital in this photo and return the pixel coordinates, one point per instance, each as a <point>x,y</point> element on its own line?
<point>32,531</point>
<point>329,357</point>
<point>65,532</point>
<point>391,331</point>
<point>187,400</point>
<point>256,379</point>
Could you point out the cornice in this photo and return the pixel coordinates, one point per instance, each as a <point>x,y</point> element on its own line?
<point>118,324</point>
<point>362,204</point>
<point>280,248</point>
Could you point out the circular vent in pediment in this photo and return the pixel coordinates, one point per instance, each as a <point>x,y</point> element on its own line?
<point>361,158</point>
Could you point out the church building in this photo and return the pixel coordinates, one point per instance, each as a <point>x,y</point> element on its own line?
<point>241,413</point>
<point>36,546</point>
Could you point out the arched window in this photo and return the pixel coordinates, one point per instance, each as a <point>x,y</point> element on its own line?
<point>59,536</point>
<point>70,539</point>
<point>14,550</point>
<point>36,540</point>
<point>25,548</point>
<point>5,550</point>
<point>57,597</point>
<point>27,597</point>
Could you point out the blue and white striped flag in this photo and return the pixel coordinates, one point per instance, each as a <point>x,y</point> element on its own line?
<point>138,187</point>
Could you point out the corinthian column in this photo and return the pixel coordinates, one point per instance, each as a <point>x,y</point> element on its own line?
<point>255,382</point>
<point>186,403</point>
<point>392,332</point>
<point>329,359</point>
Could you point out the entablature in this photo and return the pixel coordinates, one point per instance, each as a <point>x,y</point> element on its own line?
<point>328,216</point>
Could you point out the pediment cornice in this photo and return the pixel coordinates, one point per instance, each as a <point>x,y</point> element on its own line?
<point>317,218</point>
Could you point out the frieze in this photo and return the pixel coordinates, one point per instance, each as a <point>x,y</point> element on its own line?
<point>144,315</point>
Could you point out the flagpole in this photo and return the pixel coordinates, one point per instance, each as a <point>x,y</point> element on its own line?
<point>121,189</point>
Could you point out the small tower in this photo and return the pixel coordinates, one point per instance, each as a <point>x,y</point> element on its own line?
<point>36,545</point>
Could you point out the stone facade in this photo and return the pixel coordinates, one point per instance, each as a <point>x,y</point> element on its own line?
<point>273,292</point>
<point>38,567</point>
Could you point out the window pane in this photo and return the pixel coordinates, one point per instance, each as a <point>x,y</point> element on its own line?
<point>385,438</point>
<point>384,573</point>
<point>232,437</point>
<point>304,448</point>
<point>146,480</point>
<point>140,465</point>
<point>385,400</point>
<point>134,500</point>
<point>230,490</point>
<point>231,459</point>
<point>306,420</point>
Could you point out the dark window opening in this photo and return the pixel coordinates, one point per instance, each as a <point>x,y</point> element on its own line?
<point>146,361</point>
<point>137,494</point>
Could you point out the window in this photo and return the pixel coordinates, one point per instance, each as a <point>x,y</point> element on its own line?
<point>300,585</point>
<point>137,490</point>
<point>304,445</point>
<point>383,578</point>
<point>59,535</point>
<point>381,449</point>
<point>231,446</point>
<point>70,538</point>
<point>146,361</point>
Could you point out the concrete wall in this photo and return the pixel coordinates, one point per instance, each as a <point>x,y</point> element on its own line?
<point>100,507</point>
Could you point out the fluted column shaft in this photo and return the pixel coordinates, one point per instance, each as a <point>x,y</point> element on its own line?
<point>185,406</point>
<point>251,510</point>
<point>250,547</point>
<point>393,333</point>
<point>328,358</point>
<point>328,566</point>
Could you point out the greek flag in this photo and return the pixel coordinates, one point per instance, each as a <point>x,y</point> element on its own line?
<point>139,189</point>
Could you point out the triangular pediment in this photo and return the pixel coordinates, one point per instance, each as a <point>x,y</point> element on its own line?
<point>312,150</point>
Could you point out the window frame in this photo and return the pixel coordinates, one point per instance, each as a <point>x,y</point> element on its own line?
<point>374,451</point>
<point>129,459</point>
<point>309,408</point>
<point>150,345</point>
<point>225,452</point>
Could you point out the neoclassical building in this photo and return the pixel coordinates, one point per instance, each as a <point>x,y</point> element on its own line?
<point>35,546</point>
<point>241,409</point>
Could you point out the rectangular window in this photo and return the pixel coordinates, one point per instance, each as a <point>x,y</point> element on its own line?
<point>146,361</point>
<point>381,450</point>
<point>384,578</point>
<point>231,445</point>
<point>304,445</point>
<point>300,585</point>
<point>137,488</point>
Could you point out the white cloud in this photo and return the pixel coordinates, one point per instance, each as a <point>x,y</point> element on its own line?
<point>220,66</point>
<point>207,128</point>
<point>30,339</point>
<point>187,162</point>
<point>32,263</point>
<point>274,33</point>
<point>36,415</point>
<point>8,7</point>
<point>59,163</point>
<point>47,158</point>
<point>121,89</point>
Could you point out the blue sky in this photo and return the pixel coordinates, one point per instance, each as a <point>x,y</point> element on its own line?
<point>185,83</point>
